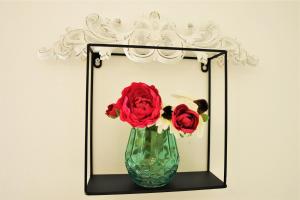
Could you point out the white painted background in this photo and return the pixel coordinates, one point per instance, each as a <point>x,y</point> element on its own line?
<point>42,102</point>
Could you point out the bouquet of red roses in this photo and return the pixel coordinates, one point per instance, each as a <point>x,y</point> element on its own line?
<point>141,106</point>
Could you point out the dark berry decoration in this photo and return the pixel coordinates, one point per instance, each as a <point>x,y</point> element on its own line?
<point>202,105</point>
<point>167,112</point>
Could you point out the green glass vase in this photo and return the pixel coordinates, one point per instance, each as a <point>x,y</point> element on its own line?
<point>151,158</point>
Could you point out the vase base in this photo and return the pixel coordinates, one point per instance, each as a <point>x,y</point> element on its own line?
<point>152,180</point>
<point>151,186</point>
<point>151,159</point>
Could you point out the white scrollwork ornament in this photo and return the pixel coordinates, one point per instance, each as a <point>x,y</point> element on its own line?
<point>148,30</point>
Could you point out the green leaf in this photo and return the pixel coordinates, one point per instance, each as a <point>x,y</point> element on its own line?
<point>204,117</point>
<point>118,112</point>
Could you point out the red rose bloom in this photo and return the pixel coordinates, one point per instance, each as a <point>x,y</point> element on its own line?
<point>139,105</point>
<point>112,111</point>
<point>184,119</point>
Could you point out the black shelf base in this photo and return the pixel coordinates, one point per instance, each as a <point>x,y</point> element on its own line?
<point>122,184</point>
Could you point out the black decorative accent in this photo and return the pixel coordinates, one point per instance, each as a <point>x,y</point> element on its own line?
<point>167,112</point>
<point>97,62</point>
<point>202,105</point>
<point>204,67</point>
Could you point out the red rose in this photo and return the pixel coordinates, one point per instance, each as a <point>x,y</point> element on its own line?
<point>139,105</point>
<point>112,111</point>
<point>184,119</point>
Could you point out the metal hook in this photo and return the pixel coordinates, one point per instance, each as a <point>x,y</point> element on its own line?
<point>97,62</point>
<point>204,67</point>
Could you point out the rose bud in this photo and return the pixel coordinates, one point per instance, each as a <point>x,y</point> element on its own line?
<point>202,105</point>
<point>167,112</point>
<point>185,119</point>
<point>112,111</point>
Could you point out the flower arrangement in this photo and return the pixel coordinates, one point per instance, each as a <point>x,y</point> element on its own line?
<point>141,106</point>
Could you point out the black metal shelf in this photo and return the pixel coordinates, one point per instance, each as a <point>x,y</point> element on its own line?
<point>103,184</point>
<point>122,184</point>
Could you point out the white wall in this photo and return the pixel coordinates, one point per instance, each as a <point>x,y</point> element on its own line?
<point>298,131</point>
<point>42,102</point>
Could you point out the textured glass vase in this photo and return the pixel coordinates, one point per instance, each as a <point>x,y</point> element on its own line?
<point>151,158</point>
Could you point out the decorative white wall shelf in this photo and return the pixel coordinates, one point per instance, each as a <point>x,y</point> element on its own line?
<point>148,30</point>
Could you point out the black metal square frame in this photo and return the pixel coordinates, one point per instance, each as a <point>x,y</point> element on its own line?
<point>103,184</point>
